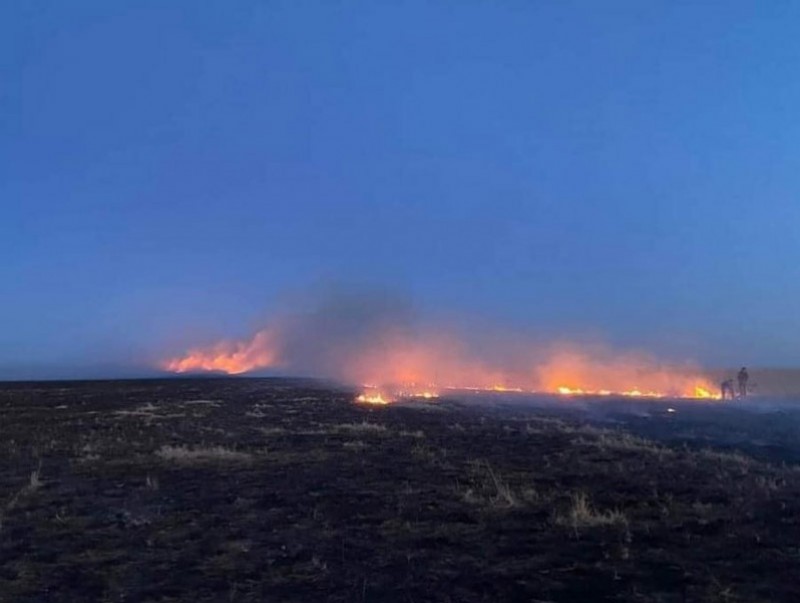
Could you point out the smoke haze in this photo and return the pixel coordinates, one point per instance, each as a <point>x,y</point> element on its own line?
<point>380,340</point>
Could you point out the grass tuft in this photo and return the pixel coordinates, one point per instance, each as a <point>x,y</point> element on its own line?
<point>185,454</point>
<point>582,514</point>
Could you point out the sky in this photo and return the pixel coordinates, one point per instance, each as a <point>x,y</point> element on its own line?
<point>172,172</point>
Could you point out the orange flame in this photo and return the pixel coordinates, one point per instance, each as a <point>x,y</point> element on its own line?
<point>441,364</point>
<point>232,358</point>
<point>597,372</point>
<point>374,397</point>
<point>399,365</point>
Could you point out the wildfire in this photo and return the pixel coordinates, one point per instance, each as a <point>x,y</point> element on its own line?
<point>570,391</point>
<point>373,395</point>
<point>233,358</point>
<point>374,398</point>
<point>574,372</point>
<point>700,393</point>
<point>412,391</point>
<point>704,394</point>
<point>637,393</point>
<point>425,395</point>
<point>421,365</point>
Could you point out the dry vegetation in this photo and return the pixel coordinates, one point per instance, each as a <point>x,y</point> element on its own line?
<point>200,454</point>
<point>249,490</point>
<point>581,515</point>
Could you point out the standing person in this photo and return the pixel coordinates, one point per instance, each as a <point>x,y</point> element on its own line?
<point>742,378</point>
<point>726,389</point>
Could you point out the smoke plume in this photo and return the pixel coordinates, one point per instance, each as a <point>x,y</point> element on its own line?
<point>380,342</point>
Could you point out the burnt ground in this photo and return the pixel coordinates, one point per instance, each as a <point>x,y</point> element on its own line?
<point>277,490</point>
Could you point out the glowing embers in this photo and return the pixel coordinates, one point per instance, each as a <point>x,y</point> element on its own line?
<point>637,393</point>
<point>503,389</point>
<point>374,397</point>
<point>388,394</point>
<point>631,393</point>
<point>699,392</point>
<point>427,393</point>
<point>381,396</point>
<point>570,391</point>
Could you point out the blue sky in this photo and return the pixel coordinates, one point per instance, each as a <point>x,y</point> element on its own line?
<point>169,171</point>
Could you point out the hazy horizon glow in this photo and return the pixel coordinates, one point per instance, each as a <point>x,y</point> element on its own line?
<point>172,174</point>
<point>382,346</point>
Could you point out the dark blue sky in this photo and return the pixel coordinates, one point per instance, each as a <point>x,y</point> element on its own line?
<point>168,170</point>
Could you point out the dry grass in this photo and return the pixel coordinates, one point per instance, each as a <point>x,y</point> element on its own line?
<point>582,514</point>
<point>542,425</point>
<point>185,454</point>
<point>145,410</point>
<point>87,453</point>
<point>630,443</point>
<point>769,484</point>
<point>702,509</point>
<point>151,482</point>
<point>34,483</point>
<point>363,427</point>
<point>429,454</point>
<point>256,411</point>
<point>727,458</point>
<point>489,489</point>
<point>272,431</point>
<point>202,403</point>
<point>149,412</point>
<point>319,477</point>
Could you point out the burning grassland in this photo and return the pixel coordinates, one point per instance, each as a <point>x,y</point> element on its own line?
<point>401,359</point>
<point>229,357</point>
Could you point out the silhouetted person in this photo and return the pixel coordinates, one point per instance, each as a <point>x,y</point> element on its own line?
<point>742,378</point>
<point>726,389</point>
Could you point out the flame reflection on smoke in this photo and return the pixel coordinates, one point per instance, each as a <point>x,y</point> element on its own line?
<point>401,362</point>
<point>232,358</point>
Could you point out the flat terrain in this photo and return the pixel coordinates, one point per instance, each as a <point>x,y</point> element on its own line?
<point>276,490</point>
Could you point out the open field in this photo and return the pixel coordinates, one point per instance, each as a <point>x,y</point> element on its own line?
<point>279,490</point>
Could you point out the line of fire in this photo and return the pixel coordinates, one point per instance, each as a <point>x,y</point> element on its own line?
<point>394,367</point>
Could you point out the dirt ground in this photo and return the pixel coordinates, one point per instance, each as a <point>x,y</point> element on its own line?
<point>278,490</point>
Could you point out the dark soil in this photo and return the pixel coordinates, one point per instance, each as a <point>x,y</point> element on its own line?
<point>277,490</point>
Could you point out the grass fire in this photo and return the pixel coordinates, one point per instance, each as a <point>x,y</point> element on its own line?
<point>396,361</point>
<point>399,302</point>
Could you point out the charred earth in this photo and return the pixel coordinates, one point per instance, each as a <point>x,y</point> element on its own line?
<point>285,490</point>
